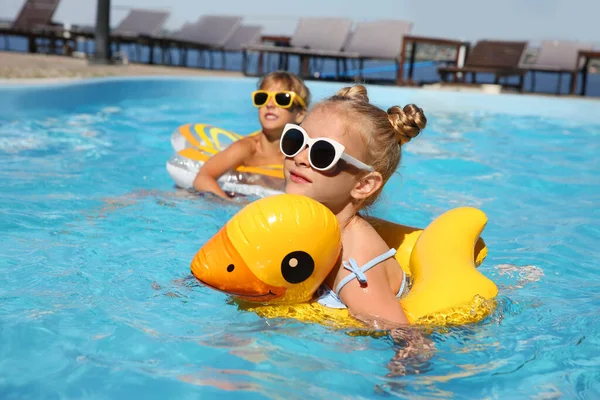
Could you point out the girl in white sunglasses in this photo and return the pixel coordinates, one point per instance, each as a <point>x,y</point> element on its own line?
<point>342,156</point>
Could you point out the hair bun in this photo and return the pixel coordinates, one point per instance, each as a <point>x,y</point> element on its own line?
<point>356,92</point>
<point>407,122</point>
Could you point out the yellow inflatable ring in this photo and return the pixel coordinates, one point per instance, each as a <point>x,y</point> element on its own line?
<point>196,143</point>
<point>442,260</point>
<point>275,250</point>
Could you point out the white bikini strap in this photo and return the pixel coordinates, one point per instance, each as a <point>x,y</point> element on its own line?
<point>403,285</point>
<point>359,272</point>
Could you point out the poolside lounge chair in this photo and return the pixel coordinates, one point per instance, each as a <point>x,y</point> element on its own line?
<point>557,57</point>
<point>245,35</point>
<point>376,40</point>
<point>140,27</point>
<point>499,58</point>
<point>141,22</point>
<point>34,14</point>
<point>208,33</point>
<point>314,36</point>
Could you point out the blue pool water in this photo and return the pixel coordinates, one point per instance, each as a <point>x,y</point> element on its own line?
<point>96,243</point>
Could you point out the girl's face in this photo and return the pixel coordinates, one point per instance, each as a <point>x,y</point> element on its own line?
<point>273,118</point>
<point>340,185</point>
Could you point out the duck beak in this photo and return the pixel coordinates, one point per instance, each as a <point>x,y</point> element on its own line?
<point>219,266</point>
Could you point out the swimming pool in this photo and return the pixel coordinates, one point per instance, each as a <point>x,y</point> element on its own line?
<point>95,244</point>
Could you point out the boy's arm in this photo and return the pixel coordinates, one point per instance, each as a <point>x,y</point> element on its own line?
<point>230,158</point>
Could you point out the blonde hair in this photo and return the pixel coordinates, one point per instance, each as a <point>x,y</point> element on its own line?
<point>288,81</point>
<point>383,132</point>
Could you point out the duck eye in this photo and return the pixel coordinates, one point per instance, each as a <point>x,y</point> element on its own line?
<point>297,267</point>
<point>230,267</point>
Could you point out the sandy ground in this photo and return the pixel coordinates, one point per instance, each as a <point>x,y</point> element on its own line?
<point>24,66</point>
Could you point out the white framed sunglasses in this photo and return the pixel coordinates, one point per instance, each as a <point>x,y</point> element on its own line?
<point>323,153</point>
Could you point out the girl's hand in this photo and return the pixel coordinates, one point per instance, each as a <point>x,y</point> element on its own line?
<point>413,351</point>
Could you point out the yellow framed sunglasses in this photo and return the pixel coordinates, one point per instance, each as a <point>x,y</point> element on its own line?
<point>283,99</point>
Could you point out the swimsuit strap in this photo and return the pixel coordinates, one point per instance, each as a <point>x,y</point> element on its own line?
<point>402,286</point>
<point>359,272</point>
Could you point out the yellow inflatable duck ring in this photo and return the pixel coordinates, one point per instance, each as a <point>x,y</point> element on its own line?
<point>277,249</point>
<point>258,257</point>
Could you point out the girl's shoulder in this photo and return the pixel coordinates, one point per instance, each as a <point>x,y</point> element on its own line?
<point>248,146</point>
<point>250,141</point>
<point>362,242</point>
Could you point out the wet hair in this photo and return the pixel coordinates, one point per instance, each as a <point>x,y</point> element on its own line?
<point>288,81</point>
<point>383,132</point>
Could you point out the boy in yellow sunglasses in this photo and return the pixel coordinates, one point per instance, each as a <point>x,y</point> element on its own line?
<point>282,98</point>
